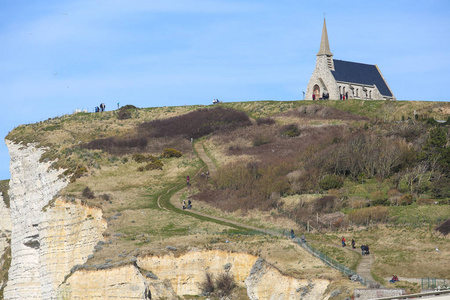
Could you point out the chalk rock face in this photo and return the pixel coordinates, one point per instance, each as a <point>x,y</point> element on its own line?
<point>46,240</point>
<point>5,226</point>
<point>266,282</point>
<point>262,281</point>
<point>186,272</point>
<point>123,282</point>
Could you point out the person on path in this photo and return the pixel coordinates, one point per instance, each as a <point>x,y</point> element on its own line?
<point>188,181</point>
<point>292,233</point>
<point>353,244</point>
<point>343,242</point>
<point>184,204</point>
<point>189,206</point>
<point>303,239</point>
<point>118,105</point>
<point>394,279</point>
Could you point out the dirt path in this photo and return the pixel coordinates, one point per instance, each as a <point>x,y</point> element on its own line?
<point>206,159</point>
<point>365,266</point>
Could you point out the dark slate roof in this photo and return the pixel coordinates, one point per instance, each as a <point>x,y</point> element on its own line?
<point>352,72</point>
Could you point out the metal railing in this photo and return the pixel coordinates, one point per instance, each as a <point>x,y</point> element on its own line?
<point>435,283</point>
<point>334,263</point>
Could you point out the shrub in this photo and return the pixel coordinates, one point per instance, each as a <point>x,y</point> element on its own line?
<point>139,158</point>
<point>105,197</point>
<point>207,286</point>
<point>325,204</point>
<point>117,146</point>
<point>331,181</point>
<point>425,201</point>
<point>156,165</point>
<point>265,121</point>
<point>169,152</point>
<point>260,140</point>
<point>444,228</point>
<point>4,187</point>
<point>196,124</point>
<point>123,114</point>
<point>365,215</point>
<point>290,131</point>
<point>405,200</point>
<point>88,193</point>
<point>79,171</point>
<point>225,284</point>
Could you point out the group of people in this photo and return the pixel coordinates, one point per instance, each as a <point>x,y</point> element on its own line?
<point>189,204</point>
<point>215,101</point>
<point>364,248</point>
<point>394,279</point>
<point>343,97</point>
<point>100,108</point>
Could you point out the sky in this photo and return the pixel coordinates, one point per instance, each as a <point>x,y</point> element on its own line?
<point>59,56</point>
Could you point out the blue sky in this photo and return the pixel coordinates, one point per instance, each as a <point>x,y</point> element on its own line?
<point>57,56</point>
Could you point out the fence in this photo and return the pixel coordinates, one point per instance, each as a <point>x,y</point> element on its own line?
<point>435,283</point>
<point>334,264</point>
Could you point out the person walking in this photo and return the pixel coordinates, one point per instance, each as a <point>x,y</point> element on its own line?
<point>353,244</point>
<point>343,242</point>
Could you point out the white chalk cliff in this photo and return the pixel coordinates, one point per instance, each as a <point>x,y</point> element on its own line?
<point>46,240</point>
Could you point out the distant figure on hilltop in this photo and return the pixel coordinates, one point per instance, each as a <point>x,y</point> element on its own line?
<point>215,101</point>
<point>102,106</point>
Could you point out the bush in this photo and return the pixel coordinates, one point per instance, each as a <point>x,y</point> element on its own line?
<point>444,228</point>
<point>196,124</point>
<point>124,114</point>
<point>225,284</point>
<point>207,286</point>
<point>169,152</point>
<point>265,121</point>
<point>331,181</point>
<point>290,131</point>
<point>79,171</point>
<point>88,193</point>
<point>156,165</point>
<point>260,140</point>
<point>425,201</point>
<point>365,215</point>
<point>405,200</point>
<point>325,204</point>
<point>117,146</point>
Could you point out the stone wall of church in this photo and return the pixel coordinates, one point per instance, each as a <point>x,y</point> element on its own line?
<point>323,77</point>
<point>357,91</point>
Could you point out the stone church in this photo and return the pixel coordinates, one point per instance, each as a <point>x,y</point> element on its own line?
<point>338,79</point>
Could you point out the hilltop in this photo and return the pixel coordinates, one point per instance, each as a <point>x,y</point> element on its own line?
<point>375,171</point>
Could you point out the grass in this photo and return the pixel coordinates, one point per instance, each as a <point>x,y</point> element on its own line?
<point>4,187</point>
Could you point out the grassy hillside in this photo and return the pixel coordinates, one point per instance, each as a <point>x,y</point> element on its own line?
<point>370,170</point>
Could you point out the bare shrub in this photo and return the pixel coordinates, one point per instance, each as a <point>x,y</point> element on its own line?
<point>225,284</point>
<point>117,146</point>
<point>331,181</point>
<point>265,121</point>
<point>369,214</point>
<point>207,286</point>
<point>325,204</point>
<point>105,197</point>
<point>290,131</point>
<point>88,193</point>
<point>425,201</point>
<point>357,202</point>
<point>444,228</point>
<point>195,124</point>
<point>405,200</point>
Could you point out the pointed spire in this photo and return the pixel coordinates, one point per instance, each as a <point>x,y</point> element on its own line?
<point>324,45</point>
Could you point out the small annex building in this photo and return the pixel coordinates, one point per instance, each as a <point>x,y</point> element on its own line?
<point>338,79</point>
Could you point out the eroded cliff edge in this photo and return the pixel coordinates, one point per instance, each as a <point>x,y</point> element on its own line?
<point>49,235</point>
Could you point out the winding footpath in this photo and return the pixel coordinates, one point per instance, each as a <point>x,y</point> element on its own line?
<point>363,268</point>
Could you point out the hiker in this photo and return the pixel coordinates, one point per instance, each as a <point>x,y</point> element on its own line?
<point>189,206</point>
<point>118,106</point>
<point>102,106</point>
<point>367,250</point>
<point>184,204</point>
<point>207,175</point>
<point>97,109</point>
<point>292,233</point>
<point>394,279</point>
<point>303,239</point>
<point>314,97</point>
<point>188,182</point>
<point>353,244</point>
<point>363,250</point>
<point>343,242</point>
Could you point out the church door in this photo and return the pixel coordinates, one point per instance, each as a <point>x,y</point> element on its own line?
<point>317,92</point>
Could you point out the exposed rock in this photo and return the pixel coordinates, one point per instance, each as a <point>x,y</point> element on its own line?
<point>49,235</point>
<point>118,282</point>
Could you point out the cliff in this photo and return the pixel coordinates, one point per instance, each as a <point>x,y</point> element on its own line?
<point>49,235</point>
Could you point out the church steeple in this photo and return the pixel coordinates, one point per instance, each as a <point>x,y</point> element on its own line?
<point>325,47</point>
